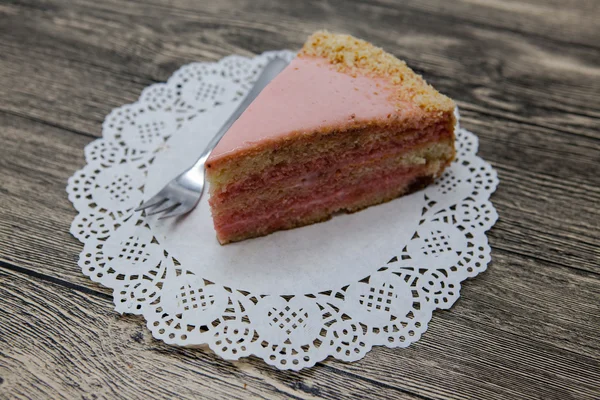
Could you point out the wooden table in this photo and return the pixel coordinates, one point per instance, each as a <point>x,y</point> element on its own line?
<point>526,75</point>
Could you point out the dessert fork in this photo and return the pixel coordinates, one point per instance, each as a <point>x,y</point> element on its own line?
<point>183,193</point>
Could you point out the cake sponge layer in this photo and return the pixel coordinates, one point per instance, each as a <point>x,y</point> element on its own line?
<point>300,150</point>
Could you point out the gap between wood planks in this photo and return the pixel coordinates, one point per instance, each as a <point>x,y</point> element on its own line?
<point>56,281</point>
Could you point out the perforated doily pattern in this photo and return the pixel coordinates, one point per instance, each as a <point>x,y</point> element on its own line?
<point>391,306</point>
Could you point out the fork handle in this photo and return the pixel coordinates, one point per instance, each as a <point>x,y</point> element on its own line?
<point>272,69</point>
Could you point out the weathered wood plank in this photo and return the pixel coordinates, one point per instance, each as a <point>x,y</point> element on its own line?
<point>86,57</point>
<point>571,22</point>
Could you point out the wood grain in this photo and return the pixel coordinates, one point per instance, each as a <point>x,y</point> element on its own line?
<point>526,76</point>
<point>115,49</point>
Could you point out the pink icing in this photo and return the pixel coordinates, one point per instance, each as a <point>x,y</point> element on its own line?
<point>308,95</point>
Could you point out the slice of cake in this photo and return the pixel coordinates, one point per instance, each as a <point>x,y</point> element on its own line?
<point>343,127</point>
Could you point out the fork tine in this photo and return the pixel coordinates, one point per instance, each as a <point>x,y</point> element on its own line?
<point>168,206</point>
<point>151,202</point>
<point>179,210</point>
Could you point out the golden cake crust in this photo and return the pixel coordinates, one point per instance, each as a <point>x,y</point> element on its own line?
<point>353,56</point>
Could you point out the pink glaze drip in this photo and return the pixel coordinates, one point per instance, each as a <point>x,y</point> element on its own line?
<point>309,95</point>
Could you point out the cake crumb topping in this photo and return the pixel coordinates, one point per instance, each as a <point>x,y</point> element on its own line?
<point>353,56</point>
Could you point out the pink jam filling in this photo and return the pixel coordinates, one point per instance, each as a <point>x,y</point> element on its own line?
<point>291,174</point>
<point>336,199</point>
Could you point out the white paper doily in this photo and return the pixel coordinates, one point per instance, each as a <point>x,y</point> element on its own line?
<point>292,298</point>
